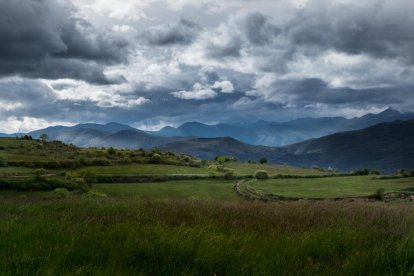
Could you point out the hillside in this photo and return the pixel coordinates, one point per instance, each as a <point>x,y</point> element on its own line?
<point>386,146</point>
<point>108,135</point>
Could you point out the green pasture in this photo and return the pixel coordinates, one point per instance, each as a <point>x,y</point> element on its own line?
<point>329,187</point>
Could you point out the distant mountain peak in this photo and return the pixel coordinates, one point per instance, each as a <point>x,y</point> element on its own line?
<point>390,111</point>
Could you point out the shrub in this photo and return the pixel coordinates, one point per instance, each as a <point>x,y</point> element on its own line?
<point>185,158</point>
<point>261,174</point>
<point>361,172</point>
<point>60,193</point>
<point>111,151</point>
<point>379,194</point>
<point>156,159</point>
<point>263,160</point>
<point>95,194</point>
<point>229,174</point>
<point>375,172</point>
<point>87,176</point>
<point>222,159</point>
<point>2,162</point>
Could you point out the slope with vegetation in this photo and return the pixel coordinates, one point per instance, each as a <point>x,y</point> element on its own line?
<point>58,220</point>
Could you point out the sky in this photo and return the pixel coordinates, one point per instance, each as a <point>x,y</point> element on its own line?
<point>152,63</point>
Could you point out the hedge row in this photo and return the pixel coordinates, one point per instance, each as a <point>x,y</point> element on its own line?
<point>41,184</point>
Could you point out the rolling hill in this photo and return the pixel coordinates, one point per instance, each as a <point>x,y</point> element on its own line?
<point>108,135</point>
<point>386,146</point>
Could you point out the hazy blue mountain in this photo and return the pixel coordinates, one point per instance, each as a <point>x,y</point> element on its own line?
<point>283,133</point>
<point>132,139</point>
<point>385,146</point>
<point>208,148</point>
<point>55,131</point>
<point>108,135</point>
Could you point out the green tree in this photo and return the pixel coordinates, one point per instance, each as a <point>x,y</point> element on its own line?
<point>263,160</point>
<point>111,151</point>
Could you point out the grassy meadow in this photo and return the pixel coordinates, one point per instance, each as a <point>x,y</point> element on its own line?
<point>184,189</point>
<point>58,220</point>
<point>77,235</point>
<point>329,187</point>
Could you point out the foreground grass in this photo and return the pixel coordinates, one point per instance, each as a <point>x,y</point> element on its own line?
<point>113,236</point>
<point>332,187</point>
<point>190,189</point>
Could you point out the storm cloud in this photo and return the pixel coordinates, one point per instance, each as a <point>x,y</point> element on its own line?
<point>45,39</point>
<point>167,62</point>
<point>183,32</point>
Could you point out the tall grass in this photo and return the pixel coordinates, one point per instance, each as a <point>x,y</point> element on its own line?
<point>107,236</point>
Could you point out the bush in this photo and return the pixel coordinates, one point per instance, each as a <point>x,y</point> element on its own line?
<point>38,184</point>
<point>40,171</point>
<point>361,172</point>
<point>263,160</point>
<point>229,174</point>
<point>95,194</point>
<point>111,151</point>
<point>60,193</point>
<point>379,194</point>
<point>2,162</point>
<point>375,172</point>
<point>87,176</point>
<point>155,159</point>
<point>222,159</point>
<point>261,174</point>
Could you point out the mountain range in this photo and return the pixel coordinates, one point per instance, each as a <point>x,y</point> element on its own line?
<point>382,141</point>
<point>386,146</point>
<point>283,133</point>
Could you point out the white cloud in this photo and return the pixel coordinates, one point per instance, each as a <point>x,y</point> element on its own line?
<point>199,92</point>
<point>27,124</point>
<point>123,28</point>
<point>225,86</point>
<point>125,9</point>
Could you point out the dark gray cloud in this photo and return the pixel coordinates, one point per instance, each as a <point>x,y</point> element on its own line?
<point>230,48</point>
<point>324,58</point>
<point>380,29</point>
<point>259,30</point>
<point>44,39</point>
<point>183,32</point>
<point>313,91</point>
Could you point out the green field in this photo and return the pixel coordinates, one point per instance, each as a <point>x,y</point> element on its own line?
<point>58,220</point>
<point>273,170</point>
<point>329,187</point>
<point>186,189</point>
<point>42,235</point>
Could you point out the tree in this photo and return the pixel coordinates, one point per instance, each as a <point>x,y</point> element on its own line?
<point>111,151</point>
<point>263,160</point>
<point>44,137</point>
